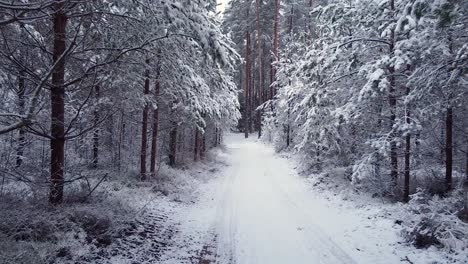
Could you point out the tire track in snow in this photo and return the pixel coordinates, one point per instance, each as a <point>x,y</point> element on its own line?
<point>263,222</point>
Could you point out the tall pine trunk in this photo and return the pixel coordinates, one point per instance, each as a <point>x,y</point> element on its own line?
<point>173,146</point>
<point>121,138</point>
<point>449,148</point>
<point>275,47</point>
<point>288,127</point>
<point>154,136</point>
<point>144,129</point>
<point>247,86</point>
<point>57,94</point>
<point>406,190</point>
<point>260,69</point>
<point>21,133</point>
<point>96,131</point>
<point>196,149</point>
<point>203,146</point>
<point>465,183</point>
<point>392,103</point>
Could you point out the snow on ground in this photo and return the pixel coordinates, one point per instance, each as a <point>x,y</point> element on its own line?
<point>125,221</point>
<point>258,210</point>
<point>243,205</point>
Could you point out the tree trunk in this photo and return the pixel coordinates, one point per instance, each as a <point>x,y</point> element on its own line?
<point>247,86</point>
<point>21,132</point>
<point>407,160</point>
<point>260,68</point>
<point>144,128</point>
<point>121,136</point>
<point>173,146</point>
<point>154,136</point>
<point>272,78</point>
<point>449,148</point>
<point>465,183</point>
<point>196,149</point>
<point>259,122</point>
<point>291,21</point>
<point>251,101</point>
<point>275,47</point>
<point>392,103</point>
<point>309,24</point>
<point>203,146</point>
<point>57,93</point>
<point>407,147</point>
<point>96,131</point>
<point>288,128</point>
<point>466,164</point>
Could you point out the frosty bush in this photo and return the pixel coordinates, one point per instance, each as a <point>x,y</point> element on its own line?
<point>434,222</point>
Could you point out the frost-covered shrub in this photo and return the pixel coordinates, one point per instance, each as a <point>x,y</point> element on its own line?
<point>98,227</point>
<point>433,221</point>
<point>13,252</point>
<point>34,232</point>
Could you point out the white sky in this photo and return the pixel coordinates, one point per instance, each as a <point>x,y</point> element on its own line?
<point>222,5</point>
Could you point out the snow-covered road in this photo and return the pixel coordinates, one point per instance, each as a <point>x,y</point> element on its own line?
<point>255,209</point>
<point>265,216</point>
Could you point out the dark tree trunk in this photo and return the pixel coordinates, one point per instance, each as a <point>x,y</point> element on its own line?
<point>291,21</point>
<point>288,125</point>
<point>272,78</point>
<point>196,149</point>
<point>393,143</point>
<point>252,95</point>
<point>466,164</point>
<point>407,162</point>
<point>449,148</point>
<point>275,46</point>
<point>121,137</point>
<point>259,123</point>
<point>96,131</point>
<point>144,130</point>
<point>203,146</point>
<point>154,142</point>
<point>406,190</point>
<point>247,87</point>
<point>392,103</point>
<point>57,93</point>
<point>173,146</point>
<point>216,138</point>
<point>465,183</point>
<point>260,69</point>
<point>21,132</point>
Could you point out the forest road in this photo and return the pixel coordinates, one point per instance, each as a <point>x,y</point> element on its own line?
<point>264,216</point>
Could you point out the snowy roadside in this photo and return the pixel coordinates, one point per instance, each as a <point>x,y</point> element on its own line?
<point>124,221</point>
<point>196,240</point>
<point>369,229</point>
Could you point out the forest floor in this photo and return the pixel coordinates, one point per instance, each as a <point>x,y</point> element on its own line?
<point>245,204</point>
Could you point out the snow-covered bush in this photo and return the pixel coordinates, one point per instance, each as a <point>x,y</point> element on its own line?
<point>31,231</point>
<point>433,221</point>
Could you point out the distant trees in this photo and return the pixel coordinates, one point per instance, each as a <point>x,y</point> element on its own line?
<point>260,19</point>
<point>79,74</point>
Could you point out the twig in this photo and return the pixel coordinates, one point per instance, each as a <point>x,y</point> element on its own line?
<point>97,185</point>
<point>407,259</point>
